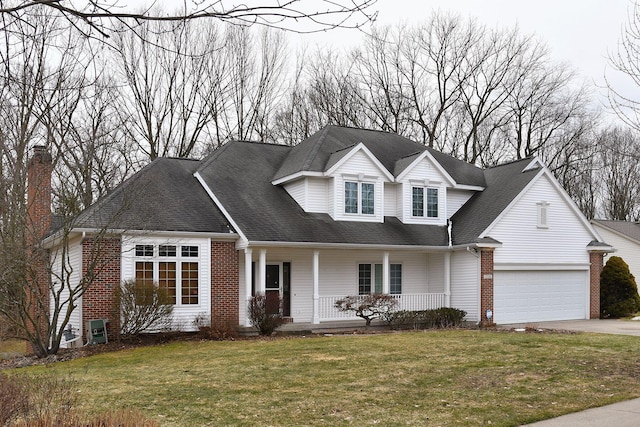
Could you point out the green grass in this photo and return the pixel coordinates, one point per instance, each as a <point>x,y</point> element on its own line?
<point>422,378</point>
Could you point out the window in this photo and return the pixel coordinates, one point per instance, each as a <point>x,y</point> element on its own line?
<point>167,250</point>
<point>351,197</point>
<point>359,198</point>
<point>418,202</point>
<point>364,279</point>
<point>371,274</point>
<point>144,250</point>
<point>189,283</point>
<point>395,279</point>
<point>176,270</point>
<point>432,202</point>
<point>167,279</point>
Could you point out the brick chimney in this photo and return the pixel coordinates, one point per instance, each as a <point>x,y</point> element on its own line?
<point>39,193</point>
<point>39,171</point>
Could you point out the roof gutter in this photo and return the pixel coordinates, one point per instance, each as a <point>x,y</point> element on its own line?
<point>318,245</point>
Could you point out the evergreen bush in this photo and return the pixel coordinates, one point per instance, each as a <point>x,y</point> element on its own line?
<point>618,290</point>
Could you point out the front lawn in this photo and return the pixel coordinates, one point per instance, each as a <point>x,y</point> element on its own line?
<point>452,378</point>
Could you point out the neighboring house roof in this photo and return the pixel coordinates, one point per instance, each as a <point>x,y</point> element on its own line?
<point>630,230</point>
<point>504,183</point>
<point>163,196</point>
<point>318,152</point>
<point>239,174</point>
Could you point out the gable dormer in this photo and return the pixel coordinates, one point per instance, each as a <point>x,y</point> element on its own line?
<point>358,180</point>
<point>423,185</point>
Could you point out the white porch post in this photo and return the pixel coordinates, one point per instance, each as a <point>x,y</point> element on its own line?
<point>316,287</point>
<point>247,283</point>
<point>447,279</point>
<point>386,288</point>
<point>261,283</point>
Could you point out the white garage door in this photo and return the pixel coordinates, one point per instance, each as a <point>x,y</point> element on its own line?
<point>537,296</point>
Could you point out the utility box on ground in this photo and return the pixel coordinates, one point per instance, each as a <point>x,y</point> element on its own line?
<point>96,331</point>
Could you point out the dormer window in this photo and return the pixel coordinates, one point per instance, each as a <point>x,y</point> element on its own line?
<point>422,207</point>
<point>359,198</point>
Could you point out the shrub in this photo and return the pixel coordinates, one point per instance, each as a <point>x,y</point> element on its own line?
<point>143,306</point>
<point>618,290</point>
<point>368,307</point>
<point>265,323</point>
<point>444,317</point>
<point>216,328</point>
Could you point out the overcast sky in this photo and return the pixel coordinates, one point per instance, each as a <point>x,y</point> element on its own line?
<point>579,32</point>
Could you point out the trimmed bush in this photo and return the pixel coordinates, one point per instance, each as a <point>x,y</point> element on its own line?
<point>444,317</point>
<point>618,290</point>
<point>368,307</point>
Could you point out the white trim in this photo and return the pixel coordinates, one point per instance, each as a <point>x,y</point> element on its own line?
<point>220,206</point>
<point>318,245</point>
<point>351,153</point>
<point>541,267</point>
<point>316,287</point>
<point>468,187</point>
<point>437,165</point>
<point>297,175</point>
<point>536,163</point>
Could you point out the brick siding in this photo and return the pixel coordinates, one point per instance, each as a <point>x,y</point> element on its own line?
<point>225,284</point>
<point>101,265</point>
<point>486,284</point>
<point>596,261</point>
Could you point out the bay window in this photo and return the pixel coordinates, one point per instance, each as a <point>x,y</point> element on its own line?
<point>177,271</point>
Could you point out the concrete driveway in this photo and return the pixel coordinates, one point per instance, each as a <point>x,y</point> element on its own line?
<point>607,326</point>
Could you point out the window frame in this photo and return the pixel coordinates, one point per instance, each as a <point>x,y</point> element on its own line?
<point>178,257</point>
<point>429,204</point>
<point>375,279</point>
<point>363,206</point>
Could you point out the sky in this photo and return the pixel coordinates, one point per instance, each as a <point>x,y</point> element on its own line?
<point>578,32</point>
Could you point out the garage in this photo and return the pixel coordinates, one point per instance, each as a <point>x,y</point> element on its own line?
<point>537,296</point>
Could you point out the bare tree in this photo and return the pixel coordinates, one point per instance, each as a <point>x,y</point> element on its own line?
<point>623,98</point>
<point>620,150</point>
<point>105,17</point>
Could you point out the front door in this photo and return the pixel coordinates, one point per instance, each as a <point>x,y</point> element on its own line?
<point>272,289</point>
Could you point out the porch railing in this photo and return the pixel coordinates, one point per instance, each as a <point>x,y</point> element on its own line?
<point>412,302</point>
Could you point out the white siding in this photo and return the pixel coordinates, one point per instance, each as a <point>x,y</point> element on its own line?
<point>435,268</point>
<point>183,315</point>
<point>456,199</point>
<point>73,265</point>
<point>317,195</point>
<point>298,190</point>
<point>564,241</point>
<point>356,165</point>
<point>390,199</point>
<point>424,172</point>
<point>465,282</point>
<point>626,249</point>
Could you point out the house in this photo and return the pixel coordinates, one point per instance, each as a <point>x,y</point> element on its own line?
<point>346,211</point>
<point>625,237</point>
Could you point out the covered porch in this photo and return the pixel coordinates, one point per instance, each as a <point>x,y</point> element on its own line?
<point>309,281</point>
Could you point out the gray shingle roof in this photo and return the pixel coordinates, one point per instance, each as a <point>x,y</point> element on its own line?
<point>504,183</point>
<point>240,175</point>
<point>316,153</point>
<point>626,228</point>
<point>163,196</point>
